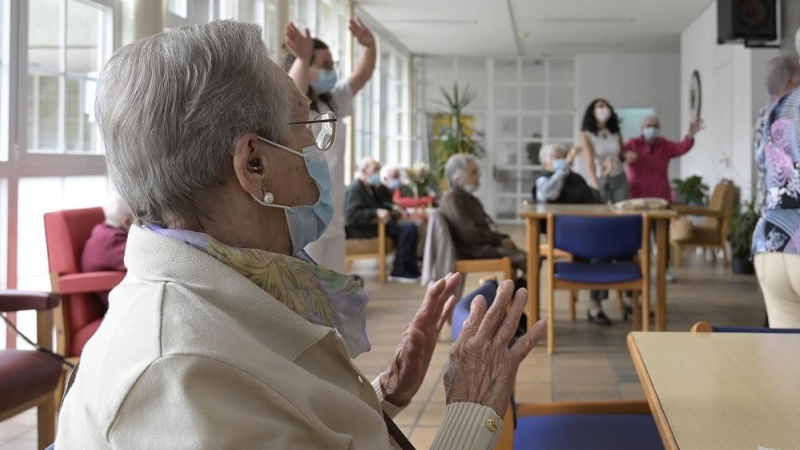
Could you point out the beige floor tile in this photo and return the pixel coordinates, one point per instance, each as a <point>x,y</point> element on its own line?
<point>422,437</point>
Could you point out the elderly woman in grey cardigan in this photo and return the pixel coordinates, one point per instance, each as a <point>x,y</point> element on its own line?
<point>224,333</point>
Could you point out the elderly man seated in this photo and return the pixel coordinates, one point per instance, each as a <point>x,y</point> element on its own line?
<point>557,183</point>
<point>368,202</point>
<point>474,233</point>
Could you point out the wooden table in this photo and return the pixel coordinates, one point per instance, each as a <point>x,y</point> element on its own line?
<point>721,390</point>
<point>534,213</point>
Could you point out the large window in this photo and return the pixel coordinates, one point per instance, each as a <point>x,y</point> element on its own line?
<point>66,49</point>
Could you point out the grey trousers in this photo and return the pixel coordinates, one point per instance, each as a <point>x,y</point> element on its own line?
<point>614,188</point>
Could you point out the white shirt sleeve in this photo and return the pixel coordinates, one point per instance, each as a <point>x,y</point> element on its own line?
<point>343,98</point>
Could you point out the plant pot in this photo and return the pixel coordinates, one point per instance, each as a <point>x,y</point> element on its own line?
<point>742,266</point>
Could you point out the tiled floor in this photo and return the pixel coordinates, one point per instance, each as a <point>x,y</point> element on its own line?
<point>590,363</point>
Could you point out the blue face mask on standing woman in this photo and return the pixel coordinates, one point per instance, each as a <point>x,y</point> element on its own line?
<point>307,222</point>
<point>325,82</point>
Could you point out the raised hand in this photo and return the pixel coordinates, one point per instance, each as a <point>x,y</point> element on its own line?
<point>401,381</point>
<point>572,154</point>
<point>362,33</point>
<point>482,369</point>
<point>630,157</point>
<point>696,126</point>
<point>299,43</point>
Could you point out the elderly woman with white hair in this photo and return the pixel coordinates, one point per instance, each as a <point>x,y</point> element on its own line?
<point>224,334</point>
<point>776,240</point>
<point>474,233</point>
<point>557,183</point>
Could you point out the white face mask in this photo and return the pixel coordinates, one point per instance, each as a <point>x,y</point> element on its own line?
<point>602,114</point>
<point>471,188</point>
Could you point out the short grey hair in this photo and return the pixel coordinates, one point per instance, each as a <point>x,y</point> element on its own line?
<point>116,211</point>
<point>650,117</point>
<point>385,170</point>
<point>781,70</point>
<point>367,162</point>
<point>456,168</point>
<point>171,107</point>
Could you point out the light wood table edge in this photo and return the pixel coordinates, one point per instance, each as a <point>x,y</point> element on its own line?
<point>667,437</point>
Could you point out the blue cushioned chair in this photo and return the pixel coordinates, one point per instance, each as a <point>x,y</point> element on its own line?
<point>617,425</point>
<point>615,241</point>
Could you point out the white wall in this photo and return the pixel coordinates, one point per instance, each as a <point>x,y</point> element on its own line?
<point>732,79</point>
<point>633,81</point>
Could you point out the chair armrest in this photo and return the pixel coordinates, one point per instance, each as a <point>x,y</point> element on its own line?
<point>686,210</point>
<point>27,300</point>
<point>89,282</point>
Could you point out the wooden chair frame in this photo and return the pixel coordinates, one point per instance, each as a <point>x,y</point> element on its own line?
<point>642,285</point>
<point>380,254</point>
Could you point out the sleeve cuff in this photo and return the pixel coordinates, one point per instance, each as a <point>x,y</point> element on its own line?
<point>389,408</point>
<point>468,425</point>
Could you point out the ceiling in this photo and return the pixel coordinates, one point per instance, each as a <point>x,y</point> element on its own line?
<point>541,27</point>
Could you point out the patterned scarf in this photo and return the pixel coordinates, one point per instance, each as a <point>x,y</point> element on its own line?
<point>319,295</point>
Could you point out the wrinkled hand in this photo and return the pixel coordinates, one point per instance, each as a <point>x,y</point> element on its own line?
<point>482,369</point>
<point>383,215</point>
<point>696,126</point>
<point>301,45</point>
<point>630,157</point>
<point>508,244</point>
<point>362,33</point>
<point>401,381</point>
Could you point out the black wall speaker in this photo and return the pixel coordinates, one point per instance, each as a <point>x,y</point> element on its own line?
<point>752,22</point>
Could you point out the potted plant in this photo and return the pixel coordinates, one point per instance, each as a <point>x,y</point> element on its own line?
<point>743,224</point>
<point>457,137</point>
<point>420,178</point>
<point>691,191</point>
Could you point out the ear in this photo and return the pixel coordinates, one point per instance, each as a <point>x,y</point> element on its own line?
<point>250,164</point>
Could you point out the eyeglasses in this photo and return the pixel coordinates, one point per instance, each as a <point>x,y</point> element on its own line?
<point>323,128</point>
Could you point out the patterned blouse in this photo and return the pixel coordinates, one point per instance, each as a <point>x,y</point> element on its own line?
<point>778,158</point>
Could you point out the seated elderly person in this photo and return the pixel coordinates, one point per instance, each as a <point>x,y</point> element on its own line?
<point>368,202</point>
<point>557,183</point>
<point>105,248</point>
<point>402,194</point>
<point>474,234</point>
<point>224,334</point>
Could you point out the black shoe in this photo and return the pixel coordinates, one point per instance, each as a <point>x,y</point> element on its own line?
<point>628,311</point>
<point>600,318</point>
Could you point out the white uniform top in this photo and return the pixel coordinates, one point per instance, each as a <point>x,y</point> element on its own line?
<point>606,147</point>
<point>328,250</point>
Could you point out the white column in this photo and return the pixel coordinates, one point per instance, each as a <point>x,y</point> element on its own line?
<point>149,18</point>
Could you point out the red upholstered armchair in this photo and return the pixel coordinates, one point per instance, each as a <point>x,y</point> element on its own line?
<point>80,311</point>
<point>28,378</point>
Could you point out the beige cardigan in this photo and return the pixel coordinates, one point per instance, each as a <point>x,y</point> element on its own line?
<point>193,355</point>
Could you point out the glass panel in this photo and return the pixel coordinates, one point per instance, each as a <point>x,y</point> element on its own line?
<point>79,119</point>
<point>84,37</point>
<point>178,7</point>
<point>505,71</point>
<point>44,33</point>
<point>561,126</point>
<point>506,98</point>
<point>533,98</point>
<point>533,71</point>
<point>562,98</point>
<point>326,22</point>
<point>507,154</point>
<point>507,208</point>
<point>472,73</point>
<point>562,71</point>
<point>505,181</point>
<point>506,127</point>
<point>43,94</point>
<point>532,127</point>
<point>439,69</point>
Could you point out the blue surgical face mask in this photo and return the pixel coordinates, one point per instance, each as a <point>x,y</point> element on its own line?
<point>651,133</point>
<point>375,179</point>
<point>559,164</point>
<point>471,188</point>
<point>393,184</point>
<point>325,82</point>
<point>308,222</point>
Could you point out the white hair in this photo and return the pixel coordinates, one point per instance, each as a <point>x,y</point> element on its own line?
<point>116,211</point>
<point>366,163</point>
<point>781,71</point>
<point>171,107</point>
<point>650,117</point>
<point>547,152</point>
<point>456,168</point>
<point>385,170</point>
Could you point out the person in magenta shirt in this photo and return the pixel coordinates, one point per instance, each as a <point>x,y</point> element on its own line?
<point>105,248</point>
<point>648,158</point>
